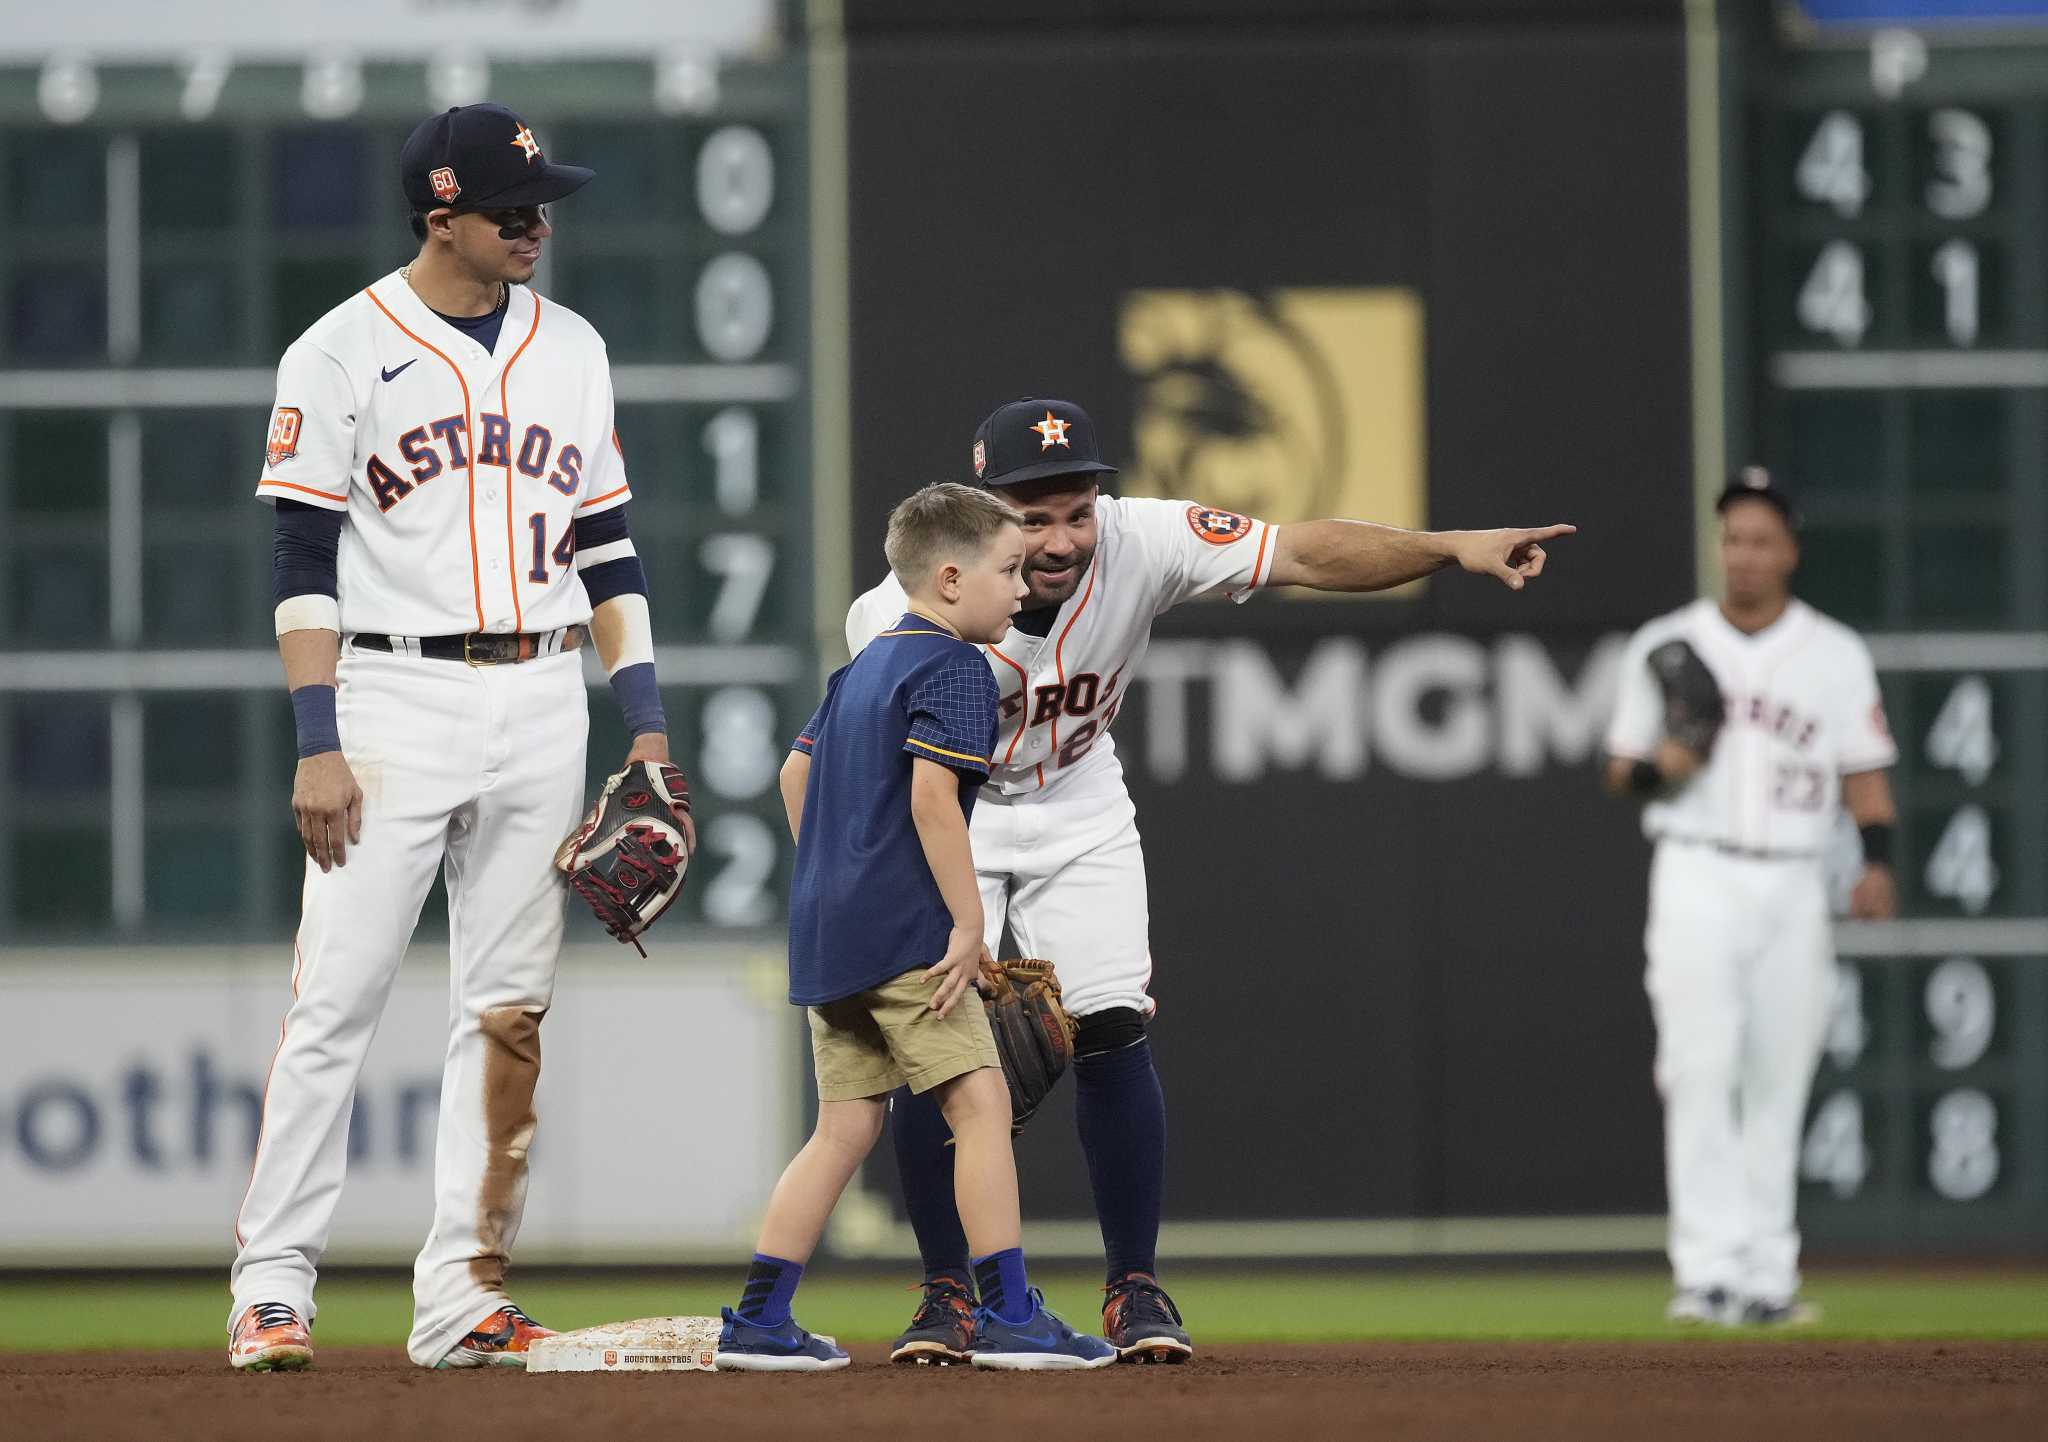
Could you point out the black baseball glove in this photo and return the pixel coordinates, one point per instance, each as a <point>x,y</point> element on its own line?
<point>1693,708</point>
<point>628,856</point>
<point>1034,1034</point>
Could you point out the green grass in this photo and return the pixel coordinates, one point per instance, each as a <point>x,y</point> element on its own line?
<point>1221,1306</point>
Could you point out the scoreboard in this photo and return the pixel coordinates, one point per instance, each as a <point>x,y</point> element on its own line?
<point>1887,213</point>
<point>168,226</point>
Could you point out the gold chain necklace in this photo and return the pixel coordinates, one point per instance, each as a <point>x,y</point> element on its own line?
<point>405,274</point>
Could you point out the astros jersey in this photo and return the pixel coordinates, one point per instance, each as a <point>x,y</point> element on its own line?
<point>1061,691</point>
<point>1803,711</point>
<point>461,470</point>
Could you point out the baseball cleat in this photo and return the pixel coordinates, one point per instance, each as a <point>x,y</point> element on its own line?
<point>1766,1312</point>
<point>500,1340</point>
<point>942,1332</point>
<point>269,1337</point>
<point>1701,1307</point>
<point>1040,1343</point>
<point>745,1346</point>
<point>1142,1323</point>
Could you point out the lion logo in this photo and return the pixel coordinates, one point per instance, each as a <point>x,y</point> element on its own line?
<point>1286,405</point>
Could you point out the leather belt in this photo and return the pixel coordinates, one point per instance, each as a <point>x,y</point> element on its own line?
<point>1747,853</point>
<point>477,648</point>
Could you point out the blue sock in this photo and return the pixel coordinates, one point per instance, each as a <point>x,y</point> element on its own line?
<point>771,1282</point>
<point>924,1165</point>
<point>1121,1114</point>
<point>1004,1290</point>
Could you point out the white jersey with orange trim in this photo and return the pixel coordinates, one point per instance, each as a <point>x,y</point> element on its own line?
<point>1803,711</point>
<point>461,469</point>
<point>1062,691</point>
<point>1054,833</point>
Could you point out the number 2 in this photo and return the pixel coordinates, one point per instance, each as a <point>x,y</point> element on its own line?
<point>564,552</point>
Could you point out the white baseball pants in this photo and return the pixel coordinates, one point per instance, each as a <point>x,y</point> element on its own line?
<point>478,771</point>
<point>1067,872</point>
<point>1741,978</point>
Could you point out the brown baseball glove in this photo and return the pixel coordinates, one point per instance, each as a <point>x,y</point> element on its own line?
<point>628,857</point>
<point>1034,1034</point>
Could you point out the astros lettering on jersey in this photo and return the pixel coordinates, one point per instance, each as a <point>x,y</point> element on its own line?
<point>1803,711</point>
<point>1062,691</point>
<point>466,468</point>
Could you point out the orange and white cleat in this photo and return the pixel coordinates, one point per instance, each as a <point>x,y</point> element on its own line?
<point>500,1340</point>
<point>270,1337</point>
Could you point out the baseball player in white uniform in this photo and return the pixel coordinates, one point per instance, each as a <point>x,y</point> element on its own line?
<point>451,528</point>
<point>1741,963</point>
<point>1055,836</point>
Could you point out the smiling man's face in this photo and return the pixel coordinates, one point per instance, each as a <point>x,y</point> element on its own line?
<point>1061,532</point>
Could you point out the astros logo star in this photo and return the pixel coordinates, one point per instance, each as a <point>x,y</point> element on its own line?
<point>1053,431</point>
<point>525,141</point>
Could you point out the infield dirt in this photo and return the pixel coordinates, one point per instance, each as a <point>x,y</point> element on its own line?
<point>1978,1391</point>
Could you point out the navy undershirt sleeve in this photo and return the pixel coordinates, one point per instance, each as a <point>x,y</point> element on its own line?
<point>303,551</point>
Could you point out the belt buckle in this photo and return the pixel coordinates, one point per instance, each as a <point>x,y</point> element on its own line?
<point>469,658</point>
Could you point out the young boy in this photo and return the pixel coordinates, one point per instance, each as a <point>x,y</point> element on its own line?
<point>879,787</point>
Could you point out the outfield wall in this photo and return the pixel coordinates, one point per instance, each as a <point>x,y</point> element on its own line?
<point>130,1089</point>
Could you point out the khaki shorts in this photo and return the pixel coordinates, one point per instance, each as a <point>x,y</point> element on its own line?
<point>873,1042</point>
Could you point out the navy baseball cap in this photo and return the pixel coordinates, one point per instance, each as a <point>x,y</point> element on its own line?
<point>481,157</point>
<point>1033,438</point>
<point>1755,483</point>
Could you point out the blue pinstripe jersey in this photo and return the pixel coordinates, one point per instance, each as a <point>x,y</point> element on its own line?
<point>863,906</point>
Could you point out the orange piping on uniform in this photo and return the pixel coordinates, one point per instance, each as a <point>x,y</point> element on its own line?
<point>263,1108</point>
<point>600,500</point>
<point>1259,564</point>
<point>505,403</point>
<point>287,485</point>
<point>1057,665</point>
<point>476,580</point>
<point>1024,719</point>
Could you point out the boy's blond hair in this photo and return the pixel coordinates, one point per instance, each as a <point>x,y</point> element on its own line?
<point>943,522</point>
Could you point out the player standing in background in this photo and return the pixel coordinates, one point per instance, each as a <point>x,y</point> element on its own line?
<point>1056,837</point>
<point>885,935</point>
<point>1741,962</point>
<point>451,527</point>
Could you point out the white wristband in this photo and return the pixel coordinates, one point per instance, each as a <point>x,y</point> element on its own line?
<point>636,641</point>
<point>308,613</point>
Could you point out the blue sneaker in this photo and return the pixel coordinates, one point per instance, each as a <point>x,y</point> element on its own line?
<point>1042,1343</point>
<point>745,1347</point>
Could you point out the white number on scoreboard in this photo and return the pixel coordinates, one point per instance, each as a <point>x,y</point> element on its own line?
<point>1962,1164</point>
<point>1830,170</point>
<point>1962,738</point>
<point>1832,303</point>
<point>1961,868</point>
<point>1834,1152</point>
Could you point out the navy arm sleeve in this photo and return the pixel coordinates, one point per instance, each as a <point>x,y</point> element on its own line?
<point>303,550</point>
<point>605,558</point>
